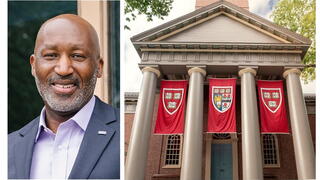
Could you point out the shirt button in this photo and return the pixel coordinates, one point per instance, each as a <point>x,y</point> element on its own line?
<point>60,147</point>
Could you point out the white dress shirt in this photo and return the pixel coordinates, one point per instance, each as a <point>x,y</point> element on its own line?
<point>55,154</point>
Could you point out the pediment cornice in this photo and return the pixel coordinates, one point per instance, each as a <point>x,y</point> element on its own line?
<point>219,8</point>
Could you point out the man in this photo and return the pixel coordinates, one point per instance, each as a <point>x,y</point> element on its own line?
<point>76,135</point>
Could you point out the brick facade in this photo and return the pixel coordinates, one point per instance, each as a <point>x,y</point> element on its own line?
<point>155,167</point>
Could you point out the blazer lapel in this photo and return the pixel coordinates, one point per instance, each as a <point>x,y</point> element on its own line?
<point>93,143</point>
<point>23,149</point>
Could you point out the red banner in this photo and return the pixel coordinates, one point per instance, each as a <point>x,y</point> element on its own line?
<point>222,106</point>
<point>171,108</point>
<point>273,114</point>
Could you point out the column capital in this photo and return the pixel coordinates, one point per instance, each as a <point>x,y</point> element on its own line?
<point>292,70</point>
<point>197,69</point>
<point>249,70</point>
<point>151,69</point>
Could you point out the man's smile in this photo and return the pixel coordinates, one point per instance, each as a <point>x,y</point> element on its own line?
<point>64,87</point>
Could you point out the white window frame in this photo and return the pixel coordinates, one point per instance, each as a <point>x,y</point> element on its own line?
<point>165,153</point>
<point>130,108</point>
<point>276,146</point>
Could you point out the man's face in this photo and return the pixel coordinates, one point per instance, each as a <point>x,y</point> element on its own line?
<point>65,65</point>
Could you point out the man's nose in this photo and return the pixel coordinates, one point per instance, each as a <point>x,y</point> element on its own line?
<point>64,66</point>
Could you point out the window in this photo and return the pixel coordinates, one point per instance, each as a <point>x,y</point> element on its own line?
<point>130,108</point>
<point>173,151</point>
<point>270,151</point>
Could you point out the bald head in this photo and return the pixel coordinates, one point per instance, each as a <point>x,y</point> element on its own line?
<point>66,63</point>
<point>67,25</point>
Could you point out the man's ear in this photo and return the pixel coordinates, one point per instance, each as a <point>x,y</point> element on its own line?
<point>100,68</point>
<point>32,63</point>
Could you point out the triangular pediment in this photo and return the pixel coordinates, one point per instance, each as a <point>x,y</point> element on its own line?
<point>221,22</point>
<point>223,29</point>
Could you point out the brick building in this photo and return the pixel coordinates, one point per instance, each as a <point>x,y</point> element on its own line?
<point>219,40</point>
<point>157,169</point>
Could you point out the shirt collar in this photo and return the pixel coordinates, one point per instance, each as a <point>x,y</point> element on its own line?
<point>81,118</point>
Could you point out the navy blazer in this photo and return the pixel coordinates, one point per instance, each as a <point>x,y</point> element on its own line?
<point>98,156</point>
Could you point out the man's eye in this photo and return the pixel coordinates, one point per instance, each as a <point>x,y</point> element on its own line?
<point>78,56</point>
<point>50,56</point>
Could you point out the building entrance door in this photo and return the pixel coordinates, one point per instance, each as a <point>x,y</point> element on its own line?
<point>221,162</point>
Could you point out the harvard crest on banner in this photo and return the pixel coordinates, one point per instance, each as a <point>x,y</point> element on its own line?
<point>273,114</point>
<point>170,119</point>
<point>222,109</point>
<point>271,98</point>
<point>172,99</point>
<point>222,98</point>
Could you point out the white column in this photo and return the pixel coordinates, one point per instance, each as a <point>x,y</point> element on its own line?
<point>191,168</point>
<point>302,140</point>
<point>140,132</point>
<point>251,146</point>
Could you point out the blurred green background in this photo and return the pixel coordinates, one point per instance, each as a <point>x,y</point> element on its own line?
<point>24,21</point>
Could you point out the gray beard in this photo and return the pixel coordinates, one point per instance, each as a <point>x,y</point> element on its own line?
<point>78,101</point>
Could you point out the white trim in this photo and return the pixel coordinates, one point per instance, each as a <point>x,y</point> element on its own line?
<point>207,171</point>
<point>265,102</point>
<point>173,89</point>
<point>231,87</point>
<point>221,132</point>
<point>275,133</point>
<point>234,139</point>
<point>167,134</point>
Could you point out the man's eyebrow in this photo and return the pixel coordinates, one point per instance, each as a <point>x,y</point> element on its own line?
<point>49,46</point>
<point>77,47</point>
<point>55,47</point>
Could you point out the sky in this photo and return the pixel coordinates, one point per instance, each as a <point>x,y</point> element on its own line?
<point>133,74</point>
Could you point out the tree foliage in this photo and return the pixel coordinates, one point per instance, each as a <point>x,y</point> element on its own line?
<point>150,8</point>
<point>299,16</point>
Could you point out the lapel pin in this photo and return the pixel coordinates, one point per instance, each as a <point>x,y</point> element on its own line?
<point>102,132</point>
